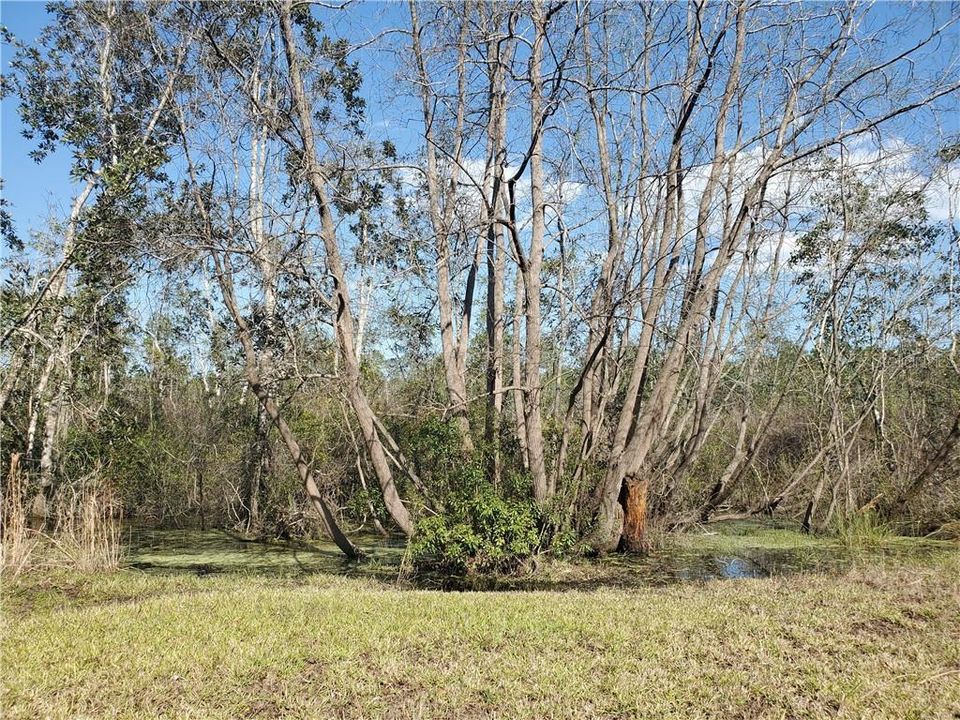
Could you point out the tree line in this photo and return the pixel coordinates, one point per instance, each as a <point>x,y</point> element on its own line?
<point>497,276</point>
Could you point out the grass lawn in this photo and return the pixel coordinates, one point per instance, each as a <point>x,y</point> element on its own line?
<point>878,640</point>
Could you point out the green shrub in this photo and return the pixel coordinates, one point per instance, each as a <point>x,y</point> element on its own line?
<point>483,532</point>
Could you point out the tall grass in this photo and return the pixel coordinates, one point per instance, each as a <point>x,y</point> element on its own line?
<point>862,530</point>
<point>19,542</point>
<point>88,535</point>
<point>86,532</point>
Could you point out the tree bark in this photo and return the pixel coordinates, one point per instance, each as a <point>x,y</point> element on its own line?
<point>343,315</point>
<point>532,266</point>
<point>442,205</point>
<point>517,350</point>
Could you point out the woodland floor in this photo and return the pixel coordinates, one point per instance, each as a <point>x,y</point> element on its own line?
<point>877,638</point>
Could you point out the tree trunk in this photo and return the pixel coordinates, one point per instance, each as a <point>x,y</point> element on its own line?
<point>633,498</point>
<point>534,263</point>
<point>521,429</point>
<point>12,376</point>
<point>343,316</point>
<point>303,469</point>
<point>442,205</point>
<point>261,466</point>
<point>255,383</point>
<point>495,316</point>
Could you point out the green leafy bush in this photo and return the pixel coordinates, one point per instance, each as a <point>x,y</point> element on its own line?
<point>483,532</point>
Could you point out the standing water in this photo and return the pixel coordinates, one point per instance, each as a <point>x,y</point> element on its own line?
<point>736,551</point>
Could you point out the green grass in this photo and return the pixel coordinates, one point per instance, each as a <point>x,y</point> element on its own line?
<point>749,535</point>
<point>877,640</point>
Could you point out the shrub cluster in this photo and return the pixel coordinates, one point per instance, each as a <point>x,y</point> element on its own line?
<point>483,532</point>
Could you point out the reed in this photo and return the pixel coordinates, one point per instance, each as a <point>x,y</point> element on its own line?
<point>86,530</point>
<point>18,549</point>
<point>88,534</point>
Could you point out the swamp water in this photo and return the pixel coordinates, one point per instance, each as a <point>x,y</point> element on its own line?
<point>735,551</point>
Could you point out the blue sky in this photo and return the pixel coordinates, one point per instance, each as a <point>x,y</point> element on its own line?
<point>35,189</point>
<point>38,191</point>
<point>32,188</point>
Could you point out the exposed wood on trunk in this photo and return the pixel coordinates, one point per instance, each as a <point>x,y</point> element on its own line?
<point>634,501</point>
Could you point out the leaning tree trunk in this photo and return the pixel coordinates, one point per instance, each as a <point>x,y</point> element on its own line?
<point>272,410</point>
<point>936,460</point>
<point>254,379</point>
<point>303,467</point>
<point>343,316</point>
